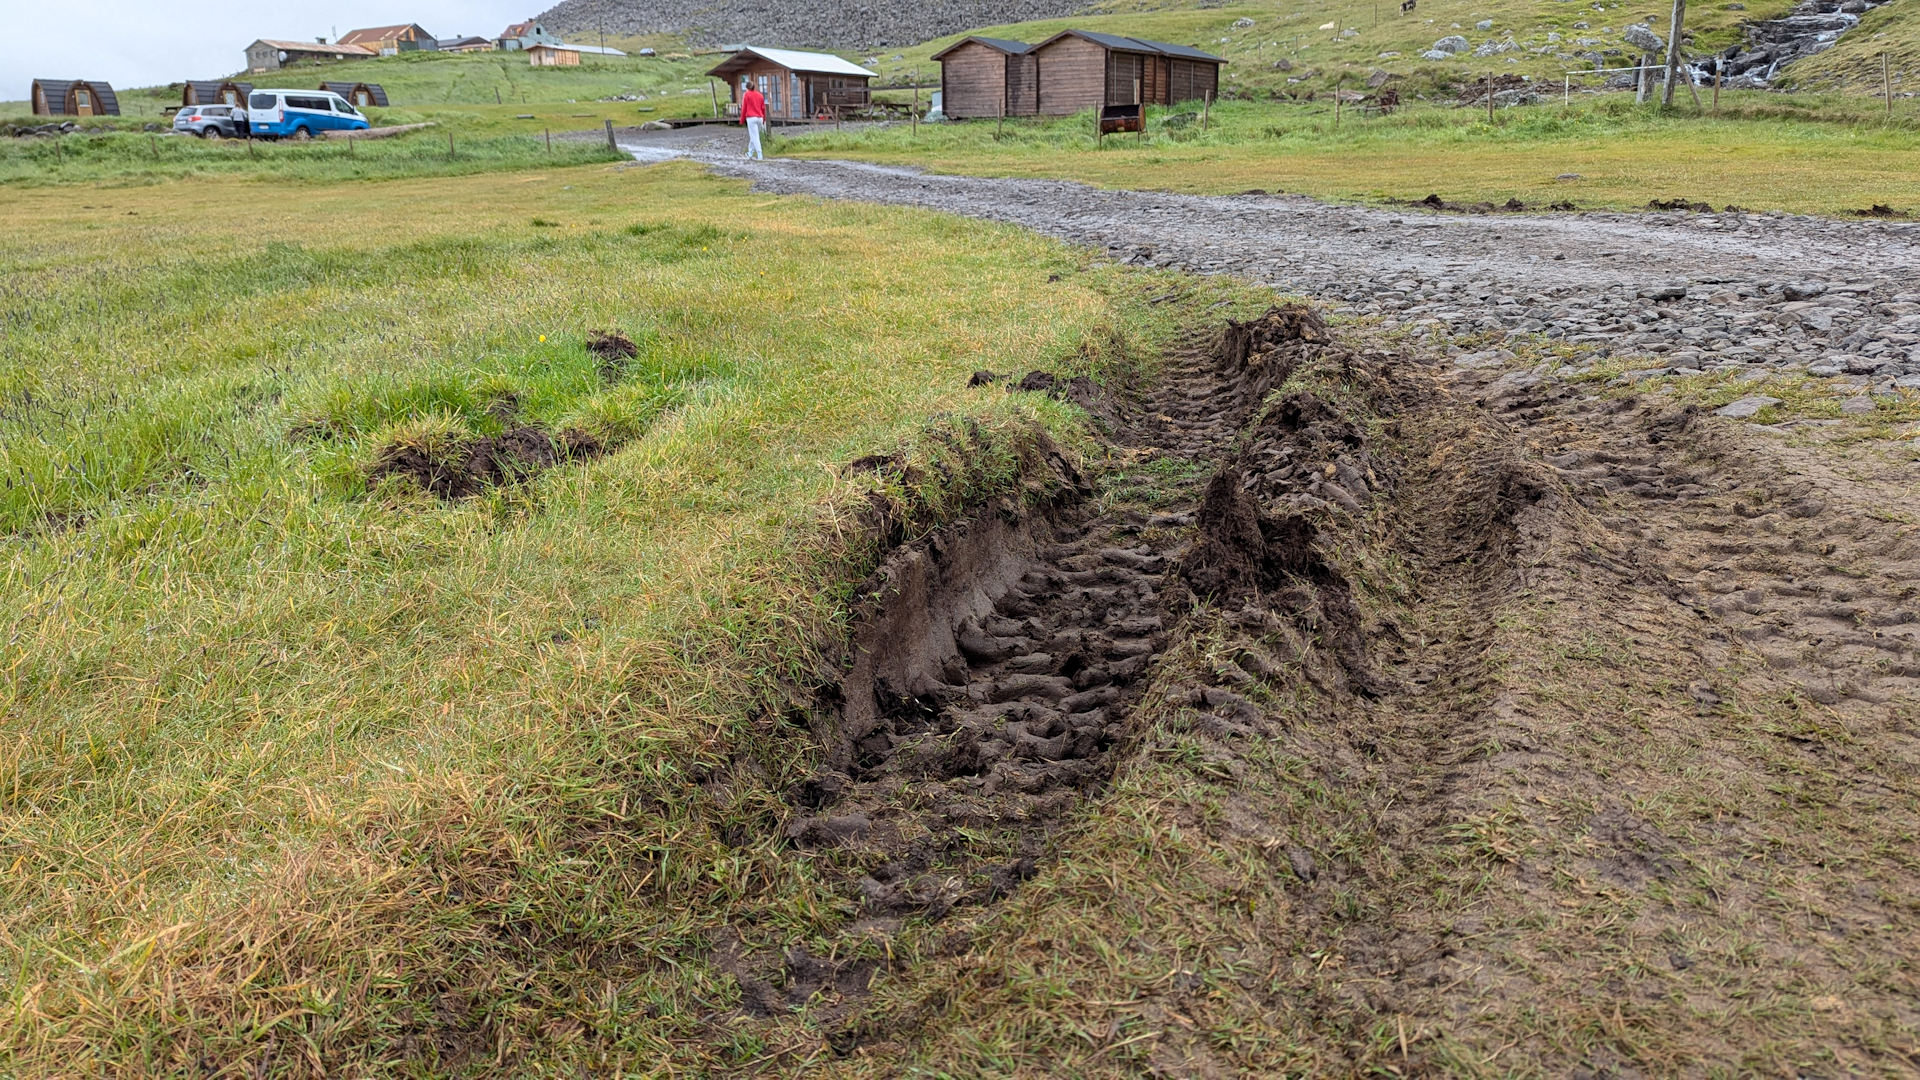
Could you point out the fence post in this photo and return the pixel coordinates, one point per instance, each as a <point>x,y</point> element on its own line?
<point>549,132</point>
<point>449,146</point>
<point>1886,82</point>
<point>350,150</point>
<point>1566,101</point>
<point>1716,88</point>
<point>916,101</point>
<point>1336,104</point>
<point>1489,97</point>
<point>611,145</point>
<point>153,143</point>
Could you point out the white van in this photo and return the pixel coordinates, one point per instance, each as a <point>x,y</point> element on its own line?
<point>301,114</point>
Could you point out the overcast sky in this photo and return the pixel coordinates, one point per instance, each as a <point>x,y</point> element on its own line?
<point>143,42</point>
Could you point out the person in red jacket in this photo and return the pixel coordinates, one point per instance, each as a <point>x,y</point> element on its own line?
<point>753,113</point>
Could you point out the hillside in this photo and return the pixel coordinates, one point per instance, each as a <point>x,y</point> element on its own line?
<point>817,26</point>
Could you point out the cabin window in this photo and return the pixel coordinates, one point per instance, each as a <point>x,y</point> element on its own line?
<point>81,97</point>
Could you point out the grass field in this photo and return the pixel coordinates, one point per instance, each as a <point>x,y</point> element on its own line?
<point>295,766</point>
<point>1812,154</point>
<point>1297,48</point>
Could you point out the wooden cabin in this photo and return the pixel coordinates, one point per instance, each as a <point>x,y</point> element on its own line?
<point>553,56</point>
<point>987,77</point>
<point>359,95</point>
<point>272,54</point>
<point>391,40</point>
<point>797,85</point>
<point>215,92</point>
<point>1076,70</point>
<point>73,97</point>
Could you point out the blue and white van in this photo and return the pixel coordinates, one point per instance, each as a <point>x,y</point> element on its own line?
<point>301,114</point>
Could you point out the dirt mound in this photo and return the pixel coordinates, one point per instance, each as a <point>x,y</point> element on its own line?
<point>613,349</point>
<point>474,465</point>
<point>1680,204</point>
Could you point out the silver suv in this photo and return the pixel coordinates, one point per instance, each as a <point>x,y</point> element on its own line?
<point>212,121</point>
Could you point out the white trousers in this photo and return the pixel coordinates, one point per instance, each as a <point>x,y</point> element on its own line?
<point>753,137</point>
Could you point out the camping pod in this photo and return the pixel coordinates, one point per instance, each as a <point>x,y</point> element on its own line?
<point>215,92</point>
<point>359,95</point>
<point>73,97</point>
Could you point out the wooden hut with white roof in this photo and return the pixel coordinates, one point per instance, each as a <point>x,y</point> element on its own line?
<point>797,85</point>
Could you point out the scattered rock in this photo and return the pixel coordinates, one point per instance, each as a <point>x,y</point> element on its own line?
<point>1747,407</point>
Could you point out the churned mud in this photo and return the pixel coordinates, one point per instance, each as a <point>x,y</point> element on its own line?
<point>1420,722</point>
<point>474,465</point>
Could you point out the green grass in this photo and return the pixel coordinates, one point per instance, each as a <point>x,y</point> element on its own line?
<point>1854,62</point>
<point>303,774</point>
<point>1814,154</point>
<point>1315,57</point>
<point>129,158</point>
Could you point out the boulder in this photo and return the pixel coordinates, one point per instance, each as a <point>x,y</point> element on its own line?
<point>1450,45</point>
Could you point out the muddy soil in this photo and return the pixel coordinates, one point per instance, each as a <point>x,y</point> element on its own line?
<point>1510,727</point>
<point>475,465</point>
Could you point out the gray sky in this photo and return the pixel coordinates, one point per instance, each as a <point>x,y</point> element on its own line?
<point>143,42</point>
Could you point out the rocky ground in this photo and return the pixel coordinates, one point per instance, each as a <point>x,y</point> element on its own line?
<point>795,25</point>
<point>1692,292</point>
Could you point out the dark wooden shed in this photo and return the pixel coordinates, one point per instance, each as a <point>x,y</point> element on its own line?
<point>987,77</point>
<point>215,92</point>
<point>1076,70</point>
<point>797,85</point>
<point>361,95</point>
<point>74,97</point>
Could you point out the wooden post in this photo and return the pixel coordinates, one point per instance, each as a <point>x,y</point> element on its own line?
<point>916,102</point>
<point>1640,81</point>
<point>1000,127</point>
<point>60,152</point>
<point>1673,52</point>
<point>1566,91</point>
<point>350,150</point>
<point>1206,110</point>
<point>1336,104</point>
<point>449,146</point>
<point>1886,82</point>
<point>1716,87</point>
<point>250,146</point>
<point>1489,97</point>
<point>549,132</point>
<point>714,92</point>
<point>496,96</point>
<point>153,143</point>
<point>611,145</point>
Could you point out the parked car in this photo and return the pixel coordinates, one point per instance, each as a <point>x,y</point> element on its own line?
<point>301,114</point>
<point>212,121</point>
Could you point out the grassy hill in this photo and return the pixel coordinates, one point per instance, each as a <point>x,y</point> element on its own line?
<point>1294,48</point>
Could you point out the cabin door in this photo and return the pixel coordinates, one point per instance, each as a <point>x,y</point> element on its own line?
<point>82,101</point>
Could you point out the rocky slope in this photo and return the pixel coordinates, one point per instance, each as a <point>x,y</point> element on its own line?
<point>865,26</point>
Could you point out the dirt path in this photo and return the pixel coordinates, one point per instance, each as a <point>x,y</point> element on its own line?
<point>1692,291</point>
<point>1434,723</point>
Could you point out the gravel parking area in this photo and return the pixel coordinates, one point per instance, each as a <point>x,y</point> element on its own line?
<point>1690,291</point>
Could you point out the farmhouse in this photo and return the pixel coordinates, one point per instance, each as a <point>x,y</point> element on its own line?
<point>214,92</point>
<point>525,35</point>
<point>1076,70</point>
<point>467,45</point>
<point>74,97</point>
<point>983,76</point>
<point>545,55</point>
<point>361,95</point>
<point>796,85</point>
<point>270,54</point>
<point>388,40</point>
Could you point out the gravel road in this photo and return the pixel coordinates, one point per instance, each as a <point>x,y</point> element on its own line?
<point>1689,291</point>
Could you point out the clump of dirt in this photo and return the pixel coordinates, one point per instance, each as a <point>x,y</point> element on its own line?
<point>613,349</point>
<point>1878,210</point>
<point>474,465</point>
<point>1680,204</point>
<point>1080,390</point>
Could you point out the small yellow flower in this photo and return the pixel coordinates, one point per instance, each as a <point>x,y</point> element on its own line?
<point>543,337</point>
